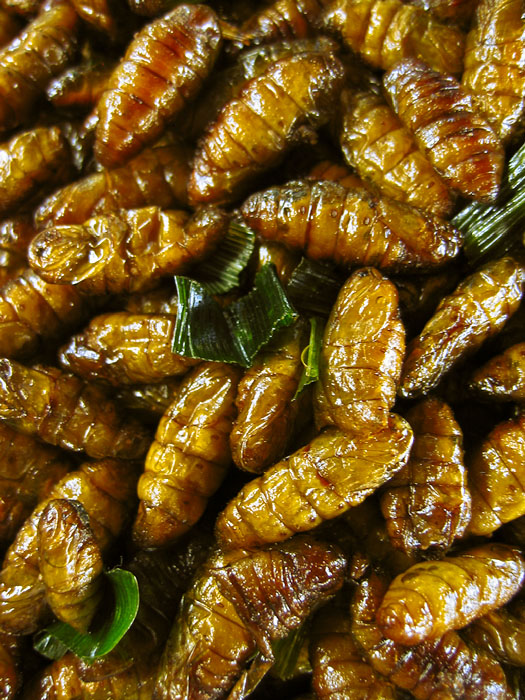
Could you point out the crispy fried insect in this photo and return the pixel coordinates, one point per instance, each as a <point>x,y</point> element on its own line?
<point>45,47</point>
<point>163,69</point>
<point>101,15</point>
<point>28,471</point>
<point>282,19</point>
<point>124,348</point>
<point>71,572</point>
<point>361,356</point>
<point>384,32</point>
<point>328,170</point>
<point>503,377</point>
<point>427,503</point>
<point>243,602</point>
<point>161,300</point>
<point>267,411</point>
<point>32,163</point>
<point>459,12</point>
<point>284,260</point>
<point>149,401</point>
<point>105,489</point>
<point>381,148</point>
<point>156,177</point>
<point>189,457</point>
<point>63,410</point>
<point>456,138</point>
<point>81,86</point>
<point>436,596</point>
<point>494,58</point>
<point>15,235</point>
<point>496,477</point>
<point>475,311</point>
<point>502,633</point>
<point>350,227</point>
<point>9,660</point>
<point>318,482</point>
<point>127,251</point>
<point>25,8</point>
<point>280,107</point>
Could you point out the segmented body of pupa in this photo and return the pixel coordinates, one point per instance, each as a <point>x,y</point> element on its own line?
<point>189,457</point>
<point>476,310</point>
<point>320,481</point>
<point>497,476</point>
<point>384,32</point>
<point>63,410</point>
<point>150,401</point>
<point>457,139</point>
<point>81,86</point>
<point>123,348</point>
<point>283,105</point>
<point>436,596</point>
<point>102,15</point>
<point>163,68</point>
<point>72,572</point>
<point>458,12</point>
<point>502,378</point>
<point>382,149</point>
<point>44,48</point>
<point>15,236</point>
<point>328,170</point>
<point>282,19</point>
<point>242,602</point>
<point>350,227</point>
<point>127,251</point>
<point>494,57</point>
<point>501,632</point>
<point>265,402</point>
<point>427,503</point>
<point>361,356</point>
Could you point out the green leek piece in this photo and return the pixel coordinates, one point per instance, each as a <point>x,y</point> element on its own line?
<point>313,287</point>
<point>312,352</point>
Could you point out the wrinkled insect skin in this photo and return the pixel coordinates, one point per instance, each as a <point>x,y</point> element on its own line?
<point>427,504</point>
<point>436,596</point>
<point>274,110</point>
<point>45,47</point>
<point>123,348</point>
<point>101,16</point>
<point>267,411</point>
<point>283,19</point>
<point>156,177</point>
<point>456,138</point>
<point>189,457</point>
<point>127,251</point>
<point>150,401</point>
<point>476,310</point>
<point>318,482</point>
<point>72,574</point>
<point>163,69</point>
<point>503,377</point>
<point>458,12</point>
<point>383,32</point>
<point>501,633</point>
<point>496,473</point>
<point>381,149</point>
<point>240,603</point>
<point>328,170</point>
<point>63,410</point>
<point>361,356</point>
<point>326,221</point>
<point>494,59</point>
<point>81,86</point>
<point>16,234</point>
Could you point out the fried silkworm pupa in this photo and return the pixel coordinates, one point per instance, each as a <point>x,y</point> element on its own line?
<point>101,16</point>
<point>494,59</point>
<point>156,177</point>
<point>127,251</point>
<point>10,681</point>
<point>242,602</point>
<point>280,107</point>
<point>149,401</point>
<point>44,48</point>
<point>458,12</point>
<point>81,86</point>
<point>15,235</point>
<point>284,260</point>
<point>380,148</point>
<point>267,411</point>
<point>163,68</point>
<point>501,632</point>
<point>476,310</point>
<point>124,348</point>
<point>496,477</point>
<point>351,227</point>
<point>105,489</point>
<point>28,471</point>
<point>433,597</point>
<point>31,164</point>
<point>502,378</point>
<point>320,481</point>
<point>384,32</point>
<point>328,170</point>
<point>189,457</point>
<point>63,410</point>
<point>427,503</point>
<point>443,668</point>
<point>457,139</point>
<point>70,562</point>
<point>282,19</point>
<point>361,355</point>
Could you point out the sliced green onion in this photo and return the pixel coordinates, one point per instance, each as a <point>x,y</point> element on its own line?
<point>236,333</point>
<point>311,355</point>
<point>287,652</point>
<point>60,637</point>
<point>313,287</point>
